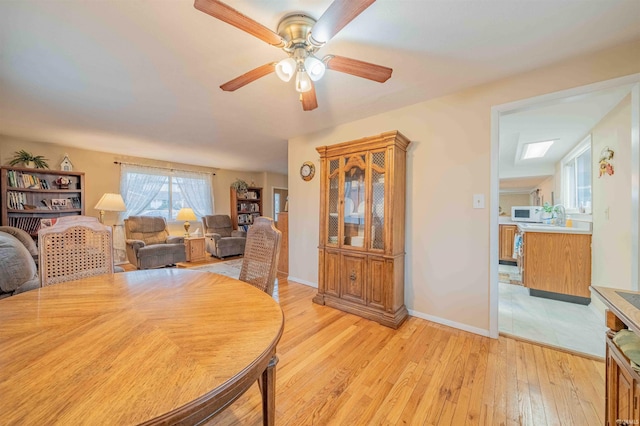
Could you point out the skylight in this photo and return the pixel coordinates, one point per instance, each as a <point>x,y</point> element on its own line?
<point>536,149</point>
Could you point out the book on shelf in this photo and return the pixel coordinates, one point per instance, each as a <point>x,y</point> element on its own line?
<point>25,180</point>
<point>16,200</point>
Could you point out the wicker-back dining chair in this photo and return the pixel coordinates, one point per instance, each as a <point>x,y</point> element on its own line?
<point>74,247</point>
<point>260,263</point>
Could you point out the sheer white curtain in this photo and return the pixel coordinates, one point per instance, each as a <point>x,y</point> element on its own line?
<point>196,190</point>
<point>139,186</point>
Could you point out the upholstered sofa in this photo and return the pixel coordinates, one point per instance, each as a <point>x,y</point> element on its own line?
<point>221,239</point>
<point>18,270</point>
<point>149,244</point>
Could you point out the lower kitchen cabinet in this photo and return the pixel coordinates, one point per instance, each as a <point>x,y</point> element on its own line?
<point>623,389</point>
<point>558,263</point>
<point>507,234</point>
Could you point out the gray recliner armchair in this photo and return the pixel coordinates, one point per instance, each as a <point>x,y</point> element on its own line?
<point>149,244</point>
<point>222,240</point>
<point>18,271</point>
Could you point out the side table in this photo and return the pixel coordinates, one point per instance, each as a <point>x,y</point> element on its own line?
<point>195,247</point>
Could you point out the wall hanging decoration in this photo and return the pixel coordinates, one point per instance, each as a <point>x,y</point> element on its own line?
<point>606,155</point>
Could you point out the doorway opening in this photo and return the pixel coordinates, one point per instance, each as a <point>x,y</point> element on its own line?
<point>552,320</point>
<point>280,201</point>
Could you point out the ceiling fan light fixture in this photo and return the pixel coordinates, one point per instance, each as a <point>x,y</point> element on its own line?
<point>315,67</point>
<point>286,68</point>
<point>303,82</point>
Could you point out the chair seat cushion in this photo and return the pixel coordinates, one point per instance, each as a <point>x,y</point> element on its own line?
<point>155,249</point>
<point>232,241</point>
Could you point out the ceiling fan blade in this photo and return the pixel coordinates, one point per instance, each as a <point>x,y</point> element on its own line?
<point>248,77</point>
<point>308,99</point>
<point>339,14</point>
<point>227,14</point>
<point>358,68</point>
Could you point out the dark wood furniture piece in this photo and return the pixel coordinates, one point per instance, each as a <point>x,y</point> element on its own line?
<point>283,226</point>
<point>362,209</point>
<point>162,346</point>
<point>622,404</point>
<point>245,207</point>
<point>29,195</point>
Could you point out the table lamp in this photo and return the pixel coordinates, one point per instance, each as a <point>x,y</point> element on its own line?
<point>186,214</point>
<point>110,203</point>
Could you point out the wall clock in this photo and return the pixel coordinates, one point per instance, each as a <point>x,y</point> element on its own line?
<point>307,170</point>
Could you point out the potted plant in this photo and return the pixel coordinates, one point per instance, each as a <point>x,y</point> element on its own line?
<point>240,186</point>
<point>547,213</point>
<point>29,160</point>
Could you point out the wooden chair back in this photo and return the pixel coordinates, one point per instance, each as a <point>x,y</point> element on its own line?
<point>74,247</point>
<point>260,263</point>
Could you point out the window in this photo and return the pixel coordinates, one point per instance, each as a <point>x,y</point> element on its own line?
<point>577,178</point>
<point>150,191</point>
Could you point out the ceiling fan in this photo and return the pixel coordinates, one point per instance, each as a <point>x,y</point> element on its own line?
<point>300,36</point>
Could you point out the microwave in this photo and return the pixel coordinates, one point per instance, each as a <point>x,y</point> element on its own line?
<point>526,214</point>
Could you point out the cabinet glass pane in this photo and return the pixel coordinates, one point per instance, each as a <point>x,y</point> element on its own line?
<point>377,203</point>
<point>333,202</point>
<point>354,201</point>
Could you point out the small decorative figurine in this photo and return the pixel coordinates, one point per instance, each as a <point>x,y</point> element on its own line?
<point>66,165</point>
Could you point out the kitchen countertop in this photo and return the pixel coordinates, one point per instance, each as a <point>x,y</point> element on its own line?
<point>506,220</point>
<point>577,228</point>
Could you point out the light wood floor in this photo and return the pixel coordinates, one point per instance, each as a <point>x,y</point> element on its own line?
<point>339,369</point>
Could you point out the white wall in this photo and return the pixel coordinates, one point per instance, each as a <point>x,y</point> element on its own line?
<point>509,200</point>
<point>611,240</point>
<point>447,241</point>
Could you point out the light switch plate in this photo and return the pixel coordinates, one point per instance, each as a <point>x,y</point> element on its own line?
<point>478,201</point>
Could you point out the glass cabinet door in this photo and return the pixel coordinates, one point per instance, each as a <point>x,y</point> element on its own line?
<point>334,201</point>
<point>354,200</point>
<point>377,200</point>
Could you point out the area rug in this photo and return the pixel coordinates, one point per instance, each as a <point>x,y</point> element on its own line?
<point>230,268</point>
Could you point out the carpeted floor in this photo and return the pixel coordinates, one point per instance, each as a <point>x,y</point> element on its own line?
<point>230,268</point>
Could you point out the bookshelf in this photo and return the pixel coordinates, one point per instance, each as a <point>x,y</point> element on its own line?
<point>27,196</point>
<point>245,207</point>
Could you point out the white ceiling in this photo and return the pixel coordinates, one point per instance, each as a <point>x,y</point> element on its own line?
<point>142,78</point>
<point>567,122</point>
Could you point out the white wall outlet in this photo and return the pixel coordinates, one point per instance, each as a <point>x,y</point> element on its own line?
<point>478,201</point>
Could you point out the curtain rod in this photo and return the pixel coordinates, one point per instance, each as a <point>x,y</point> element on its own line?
<point>156,167</point>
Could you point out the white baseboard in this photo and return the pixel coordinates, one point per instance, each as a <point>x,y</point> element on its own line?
<point>301,281</point>
<point>449,323</point>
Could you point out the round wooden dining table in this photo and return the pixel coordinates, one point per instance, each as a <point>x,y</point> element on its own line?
<point>160,346</point>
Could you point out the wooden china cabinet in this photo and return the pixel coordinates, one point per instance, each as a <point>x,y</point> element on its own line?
<point>362,210</point>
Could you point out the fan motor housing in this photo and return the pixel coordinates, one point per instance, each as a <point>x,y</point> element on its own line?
<point>295,27</point>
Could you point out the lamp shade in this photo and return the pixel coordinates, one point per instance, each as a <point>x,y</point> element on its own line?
<point>285,69</point>
<point>303,82</point>
<point>111,203</point>
<point>186,214</point>
<point>315,68</point>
